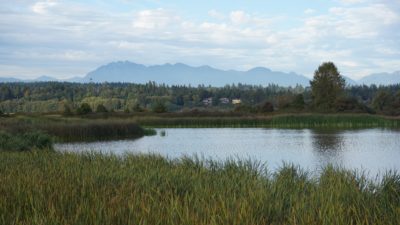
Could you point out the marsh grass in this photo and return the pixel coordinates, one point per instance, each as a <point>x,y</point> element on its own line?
<point>75,129</point>
<point>276,121</point>
<point>66,188</point>
<point>25,141</point>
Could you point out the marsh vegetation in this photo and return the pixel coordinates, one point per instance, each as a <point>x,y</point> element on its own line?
<point>54,188</point>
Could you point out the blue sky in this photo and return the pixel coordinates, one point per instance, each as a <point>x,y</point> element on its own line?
<point>70,38</point>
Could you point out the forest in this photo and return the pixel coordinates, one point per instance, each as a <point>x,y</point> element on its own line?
<point>59,97</point>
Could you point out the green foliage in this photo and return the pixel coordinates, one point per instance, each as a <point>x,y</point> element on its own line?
<point>266,107</point>
<point>76,129</point>
<point>159,107</point>
<point>298,102</point>
<point>244,108</point>
<point>25,141</point>
<point>51,96</point>
<point>137,108</point>
<point>101,109</point>
<point>350,104</point>
<point>66,188</point>
<point>326,87</point>
<point>84,109</point>
<point>67,110</point>
<point>387,103</point>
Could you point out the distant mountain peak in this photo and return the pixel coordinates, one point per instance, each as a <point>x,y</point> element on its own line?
<point>182,74</point>
<point>381,78</point>
<point>259,70</point>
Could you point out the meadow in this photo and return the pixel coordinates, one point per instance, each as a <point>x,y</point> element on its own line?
<point>44,187</point>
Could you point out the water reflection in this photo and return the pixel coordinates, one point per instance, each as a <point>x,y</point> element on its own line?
<point>328,146</point>
<point>372,149</point>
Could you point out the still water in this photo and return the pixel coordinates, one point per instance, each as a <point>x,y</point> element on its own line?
<point>372,150</point>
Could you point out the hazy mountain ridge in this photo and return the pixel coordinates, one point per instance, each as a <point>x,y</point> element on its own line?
<point>182,74</point>
<point>381,78</point>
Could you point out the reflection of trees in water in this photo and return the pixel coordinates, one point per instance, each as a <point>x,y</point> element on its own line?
<point>327,146</point>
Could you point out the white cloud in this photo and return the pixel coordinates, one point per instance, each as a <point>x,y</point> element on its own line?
<point>152,19</point>
<point>43,6</point>
<point>239,17</point>
<point>360,38</point>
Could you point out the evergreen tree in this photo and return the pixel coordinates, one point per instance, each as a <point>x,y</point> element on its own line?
<point>327,86</point>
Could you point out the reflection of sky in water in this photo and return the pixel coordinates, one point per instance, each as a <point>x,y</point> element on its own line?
<point>372,149</point>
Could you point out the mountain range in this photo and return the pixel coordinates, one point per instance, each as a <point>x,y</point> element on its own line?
<point>182,74</point>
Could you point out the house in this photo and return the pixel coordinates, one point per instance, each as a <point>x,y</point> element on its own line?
<point>207,101</point>
<point>224,100</point>
<point>236,101</point>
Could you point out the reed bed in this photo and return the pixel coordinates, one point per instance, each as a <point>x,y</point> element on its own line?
<point>66,188</point>
<point>277,121</point>
<point>25,141</point>
<point>70,130</point>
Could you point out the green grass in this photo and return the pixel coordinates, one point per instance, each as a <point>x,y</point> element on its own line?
<point>65,188</point>
<point>275,121</point>
<point>34,140</point>
<point>75,129</point>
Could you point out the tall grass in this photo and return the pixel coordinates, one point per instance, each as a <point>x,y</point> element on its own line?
<point>25,141</point>
<point>76,129</point>
<point>66,188</point>
<point>277,121</point>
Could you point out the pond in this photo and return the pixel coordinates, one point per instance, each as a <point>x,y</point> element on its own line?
<point>372,150</point>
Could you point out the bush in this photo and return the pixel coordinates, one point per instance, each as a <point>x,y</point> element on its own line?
<point>242,108</point>
<point>25,142</point>
<point>67,111</point>
<point>137,108</point>
<point>84,109</point>
<point>267,107</point>
<point>159,107</point>
<point>298,102</point>
<point>101,109</point>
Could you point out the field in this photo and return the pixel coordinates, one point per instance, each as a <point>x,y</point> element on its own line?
<point>62,188</point>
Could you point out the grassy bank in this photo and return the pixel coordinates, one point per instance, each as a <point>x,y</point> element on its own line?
<point>275,121</point>
<point>55,188</point>
<point>74,129</point>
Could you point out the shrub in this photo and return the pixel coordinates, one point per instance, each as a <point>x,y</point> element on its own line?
<point>159,107</point>
<point>84,109</point>
<point>298,102</point>
<point>101,109</point>
<point>267,107</point>
<point>67,111</point>
<point>137,108</point>
<point>242,108</point>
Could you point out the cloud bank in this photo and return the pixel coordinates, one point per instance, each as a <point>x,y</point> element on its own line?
<point>68,38</point>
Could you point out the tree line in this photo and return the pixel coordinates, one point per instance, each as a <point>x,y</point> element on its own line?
<point>327,93</point>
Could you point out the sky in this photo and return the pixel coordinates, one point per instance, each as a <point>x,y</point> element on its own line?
<point>64,39</point>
